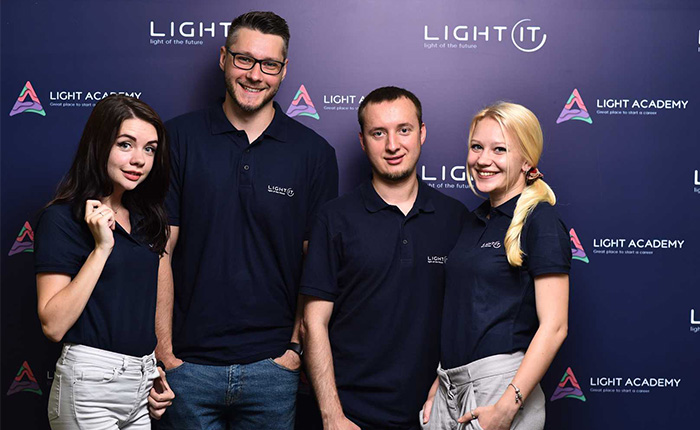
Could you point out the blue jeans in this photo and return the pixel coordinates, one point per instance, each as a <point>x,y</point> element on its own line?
<point>255,396</point>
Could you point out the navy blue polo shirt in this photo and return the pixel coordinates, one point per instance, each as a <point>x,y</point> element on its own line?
<point>120,313</point>
<point>385,274</point>
<point>489,304</point>
<point>244,211</point>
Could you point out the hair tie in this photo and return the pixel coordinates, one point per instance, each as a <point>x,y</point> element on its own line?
<point>533,175</point>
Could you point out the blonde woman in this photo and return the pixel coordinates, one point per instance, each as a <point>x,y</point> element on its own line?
<point>507,288</point>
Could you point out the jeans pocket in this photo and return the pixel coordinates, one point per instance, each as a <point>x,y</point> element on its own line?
<point>55,397</point>
<point>279,366</point>
<point>88,373</point>
<point>174,369</point>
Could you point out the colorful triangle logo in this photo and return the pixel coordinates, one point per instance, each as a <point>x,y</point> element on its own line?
<point>24,381</point>
<point>568,387</point>
<point>24,241</point>
<point>302,105</point>
<point>570,112</point>
<point>23,105</point>
<point>577,252</point>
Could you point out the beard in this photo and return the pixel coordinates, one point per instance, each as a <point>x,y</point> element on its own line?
<point>230,88</point>
<point>397,176</point>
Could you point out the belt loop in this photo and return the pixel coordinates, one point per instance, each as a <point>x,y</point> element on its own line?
<point>66,347</point>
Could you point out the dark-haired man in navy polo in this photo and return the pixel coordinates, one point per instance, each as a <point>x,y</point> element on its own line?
<point>246,181</point>
<point>374,276</point>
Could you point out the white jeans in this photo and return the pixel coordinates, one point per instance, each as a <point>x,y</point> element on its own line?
<point>96,389</point>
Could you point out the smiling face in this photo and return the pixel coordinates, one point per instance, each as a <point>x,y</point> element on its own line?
<point>495,162</point>
<point>392,137</point>
<point>252,90</point>
<point>132,154</point>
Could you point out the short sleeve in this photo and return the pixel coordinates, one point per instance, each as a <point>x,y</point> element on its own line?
<point>59,242</point>
<point>324,185</point>
<point>320,276</point>
<point>173,198</point>
<point>546,242</point>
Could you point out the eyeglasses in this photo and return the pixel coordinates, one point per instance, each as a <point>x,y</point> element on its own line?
<point>245,62</point>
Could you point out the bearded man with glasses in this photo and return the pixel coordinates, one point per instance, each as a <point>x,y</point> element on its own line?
<point>246,183</point>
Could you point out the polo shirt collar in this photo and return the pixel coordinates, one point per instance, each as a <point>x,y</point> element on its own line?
<point>374,203</point>
<point>506,208</point>
<point>219,124</point>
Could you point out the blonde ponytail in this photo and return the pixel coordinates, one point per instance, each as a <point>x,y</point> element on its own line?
<point>531,196</point>
<point>523,124</point>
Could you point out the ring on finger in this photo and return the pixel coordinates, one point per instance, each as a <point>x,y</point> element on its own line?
<point>473,416</point>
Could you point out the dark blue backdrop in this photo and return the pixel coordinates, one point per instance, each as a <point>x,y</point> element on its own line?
<point>622,158</point>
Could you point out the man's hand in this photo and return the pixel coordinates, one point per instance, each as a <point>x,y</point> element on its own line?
<point>341,424</point>
<point>170,361</point>
<point>289,360</point>
<point>160,396</point>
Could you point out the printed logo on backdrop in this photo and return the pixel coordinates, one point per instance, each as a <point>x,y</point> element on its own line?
<point>525,36</point>
<point>187,33</point>
<point>638,106</point>
<point>694,321</point>
<point>342,102</point>
<point>696,189</point>
<point>445,176</point>
<point>84,99</point>
<point>577,252</point>
<point>22,105</point>
<point>632,385</point>
<point>574,109</point>
<point>24,241</point>
<point>568,388</point>
<point>302,105</point>
<point>636,246</point>
<point>24,381</point>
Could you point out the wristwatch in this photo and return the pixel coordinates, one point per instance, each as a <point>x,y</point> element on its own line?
<point>296,347</point>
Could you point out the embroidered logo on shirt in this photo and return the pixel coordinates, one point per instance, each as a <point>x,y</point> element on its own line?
<point>281,191</point>
<point>496,244</point>
<point>435,259</point>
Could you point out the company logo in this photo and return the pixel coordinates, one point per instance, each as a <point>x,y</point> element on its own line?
<point>630,385</point>
<point>437,259</point>
<point>23,105</point>
<point>568,388</point>
<point>570,112</point>
<point>694,322</point>
<point>187,30</point>
<point>84,99</point>
<point>495,245</point>
<point>281,191</point>
<point>697,182</point>
<point>525,37</point>
<point>577,252</point>
<point>24,241</point>
<point>639,246</point>
<point>302,105</point>
<point>24,381</point>
<point>448,177</point>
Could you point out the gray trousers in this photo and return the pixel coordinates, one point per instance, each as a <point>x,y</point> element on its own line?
<point>482,383</point>
<point>94,389</point>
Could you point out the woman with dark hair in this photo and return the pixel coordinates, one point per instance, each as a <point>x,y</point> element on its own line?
<point>507,285</point>
<point>97,249</point>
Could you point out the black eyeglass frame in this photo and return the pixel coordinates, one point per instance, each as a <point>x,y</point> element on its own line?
<point>255,62</point>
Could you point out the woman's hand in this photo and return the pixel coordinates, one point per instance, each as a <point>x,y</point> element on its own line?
<point>160,397</point>
<point>100,219</point>
<point>492,417</point>
<point>428,405</point>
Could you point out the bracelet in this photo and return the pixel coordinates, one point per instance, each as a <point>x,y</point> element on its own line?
<point>518,395</point>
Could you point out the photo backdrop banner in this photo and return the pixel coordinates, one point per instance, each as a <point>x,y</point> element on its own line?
<point>614,84</point>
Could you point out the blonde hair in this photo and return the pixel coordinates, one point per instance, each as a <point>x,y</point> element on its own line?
<point>523,124</point>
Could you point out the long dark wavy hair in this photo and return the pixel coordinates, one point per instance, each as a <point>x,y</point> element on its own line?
<point>88,178</point>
